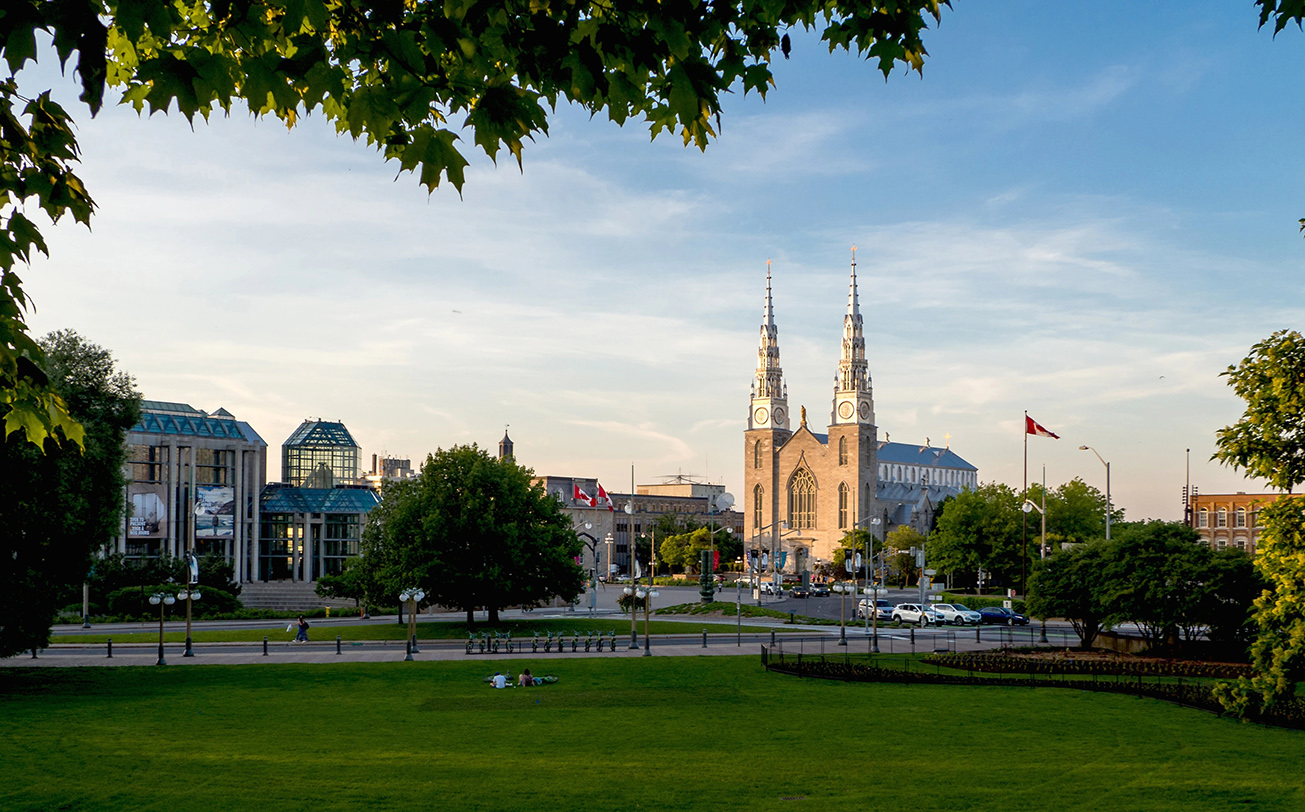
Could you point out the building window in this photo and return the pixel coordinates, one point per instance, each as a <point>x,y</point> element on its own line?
<point>1255,518</point>
<point>802,501</point>
<point>1203,518</point>
<point>844,498</point>
<point>1221,542</point>
<point>758,496</point>
<point>1240,543</point>
<point>148,462</point>
<point>1221,518</point>
<point>1239,520</point>
<point>842,451</point>
<point>756,454</point>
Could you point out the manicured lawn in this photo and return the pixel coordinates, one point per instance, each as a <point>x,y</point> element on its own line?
<point>661,734</point>
<point>455,630</point>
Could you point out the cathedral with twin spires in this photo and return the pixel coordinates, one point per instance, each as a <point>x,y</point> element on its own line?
<point>804,491</point>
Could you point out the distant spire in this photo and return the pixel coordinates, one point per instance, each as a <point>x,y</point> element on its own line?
<point>769,381</point>
<point>505,446</point>
<point>853,305</point>
<point>853,373</point>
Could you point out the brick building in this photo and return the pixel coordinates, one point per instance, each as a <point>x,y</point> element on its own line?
<point>1229,520</point>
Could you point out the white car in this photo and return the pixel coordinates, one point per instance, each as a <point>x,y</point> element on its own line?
<point>883,609</point>
<point>914,613</point>
<point>770,588</point>
<point>956,613</point>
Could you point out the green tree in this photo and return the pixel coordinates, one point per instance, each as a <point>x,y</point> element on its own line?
<point>59,504</point>
<point>1159,576</point>
<point>471,530</point>
<point>979,528</point>
<point>1269,442</point>
<point>409,77</point>
<point>1068,584</point>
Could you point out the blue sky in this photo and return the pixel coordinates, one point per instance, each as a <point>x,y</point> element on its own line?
<point>1086,210</point>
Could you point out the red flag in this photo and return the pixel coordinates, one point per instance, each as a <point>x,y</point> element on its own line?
<point>1032,426</point>
<point>715,560</point>
<point>604,499</point>
<point>581,496</point>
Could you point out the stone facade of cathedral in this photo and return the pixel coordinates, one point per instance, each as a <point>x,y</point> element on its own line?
<point>804,491</point>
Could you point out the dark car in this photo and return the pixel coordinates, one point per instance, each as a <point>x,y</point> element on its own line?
<point>819,591</point>
<point>799,592</point>
<point>999,616</point>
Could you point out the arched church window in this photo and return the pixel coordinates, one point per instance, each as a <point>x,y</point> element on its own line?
<point>802,501</point>
<point>842,451</point>
<point>844,500</point>
<point>756,454</point>
<point>758,496</point>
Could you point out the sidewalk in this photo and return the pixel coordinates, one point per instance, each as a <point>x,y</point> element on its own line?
<point>793,639</point>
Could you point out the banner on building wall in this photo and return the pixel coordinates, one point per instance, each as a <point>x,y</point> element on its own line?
<point>149,511</point>
<point>215,511</point>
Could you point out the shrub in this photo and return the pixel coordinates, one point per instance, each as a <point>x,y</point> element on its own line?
<point>134,601</point>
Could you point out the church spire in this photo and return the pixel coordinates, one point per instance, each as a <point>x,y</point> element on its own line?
<point>769,399</point>
<point>853,402</point>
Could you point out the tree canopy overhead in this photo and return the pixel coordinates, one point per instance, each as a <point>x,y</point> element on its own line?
<point>411,77</point>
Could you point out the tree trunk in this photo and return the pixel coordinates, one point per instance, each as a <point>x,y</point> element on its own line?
<point>493,613</point>
<point>471,617</point>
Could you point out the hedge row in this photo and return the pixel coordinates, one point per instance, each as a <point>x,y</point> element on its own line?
<point>999,663</point>
<point>1195,695</point>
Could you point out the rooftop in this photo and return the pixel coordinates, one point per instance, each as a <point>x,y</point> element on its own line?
<point>321,433</point>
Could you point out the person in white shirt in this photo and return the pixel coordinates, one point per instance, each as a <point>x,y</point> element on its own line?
<point>500,681</point>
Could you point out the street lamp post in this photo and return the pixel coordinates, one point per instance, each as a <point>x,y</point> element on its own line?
<point>1103,462</point>
<point>609,541</point>
<point>411,598</point>
<point>161,600</point>
<point>646,594</point>
<point>188,594</point>
<point>872,608</point>
<point>1028,508</point>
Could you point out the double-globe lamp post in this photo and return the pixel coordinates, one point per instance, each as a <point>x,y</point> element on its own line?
<point>161,600</point>
<point>644,594</point>
<point>411,597</point>
<point>189,595</point>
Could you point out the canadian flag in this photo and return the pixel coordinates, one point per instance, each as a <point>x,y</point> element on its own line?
<point>1035,428</point>
<point>604,499</point>
<point>580,496</point>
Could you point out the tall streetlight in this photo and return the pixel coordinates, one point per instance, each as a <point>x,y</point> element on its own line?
<point>774,557</point>
<point>609,539</point>
<point>411,598</point>
<point>1103,462</point>
<point>592,544</point>
<point>190,594</point>
<point>1029,507</point>
<point>645,594</point>
<point>162,600</point>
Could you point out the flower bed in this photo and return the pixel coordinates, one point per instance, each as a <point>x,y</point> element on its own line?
<point>1043,662</point>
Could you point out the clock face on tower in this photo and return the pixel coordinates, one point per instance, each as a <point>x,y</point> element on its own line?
<point>864,411</point>
<point>845,410</point>
<point>759,416</point>
<point>779,416</point>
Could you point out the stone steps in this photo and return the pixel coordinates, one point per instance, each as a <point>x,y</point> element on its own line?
<point>287,596</point>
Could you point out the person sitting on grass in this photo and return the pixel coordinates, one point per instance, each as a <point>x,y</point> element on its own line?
<point>499,680</point>
<point>526,681</point>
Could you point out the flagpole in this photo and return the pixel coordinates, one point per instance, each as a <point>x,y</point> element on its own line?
<point>1024,517</point>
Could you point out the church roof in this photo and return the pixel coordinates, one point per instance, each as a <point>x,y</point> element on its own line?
<point>909,454</point>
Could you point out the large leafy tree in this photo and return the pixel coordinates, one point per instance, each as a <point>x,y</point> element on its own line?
<point>979,528</point>
<point>412,77</point>
<point>1068,585</point>
<point>59,504</point>
<point>1159,576</point>
<point>1269,441</point>
<point>472,530</point>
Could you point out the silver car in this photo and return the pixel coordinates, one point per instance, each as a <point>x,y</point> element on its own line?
<point>956,613</point>
<point>914,613</point>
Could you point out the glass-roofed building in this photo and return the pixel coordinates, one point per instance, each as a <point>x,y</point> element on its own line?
<point>312,520</point>
<point>319,454</point>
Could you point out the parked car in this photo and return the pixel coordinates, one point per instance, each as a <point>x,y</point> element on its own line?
<point>957,613</point>
<point>1002,617</point>
<point>799,592</point>
<point>819,591</point>
<point>770,588</point>
<point>883,609</point>
<point>914,613</point>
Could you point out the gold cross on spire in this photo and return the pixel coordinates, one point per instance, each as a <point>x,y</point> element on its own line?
<point>947,438</point>
<point>853,255</point>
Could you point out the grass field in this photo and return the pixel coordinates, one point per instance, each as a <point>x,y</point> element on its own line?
<point>664,733</point>
<point>452,630</point>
